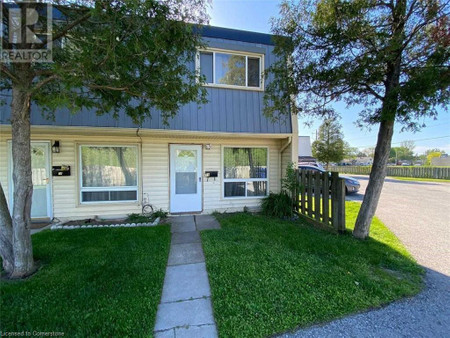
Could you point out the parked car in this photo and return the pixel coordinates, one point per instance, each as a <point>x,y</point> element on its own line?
<point>351,185</point>
<point>311,164</point>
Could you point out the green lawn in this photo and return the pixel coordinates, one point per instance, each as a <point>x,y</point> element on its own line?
<point>95,282</point>
<point>419,179</point>
<point>268,276</point>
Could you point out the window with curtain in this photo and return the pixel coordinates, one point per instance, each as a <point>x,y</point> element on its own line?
<point>108,173</point>
<point>245,172</point>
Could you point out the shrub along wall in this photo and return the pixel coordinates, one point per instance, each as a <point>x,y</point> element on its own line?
<point>400,171</point>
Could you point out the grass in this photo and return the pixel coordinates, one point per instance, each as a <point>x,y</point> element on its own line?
<point>419,179</point>
<point>96,282</point>
<point>268,276</point>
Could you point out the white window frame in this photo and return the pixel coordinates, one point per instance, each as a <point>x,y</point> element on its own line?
<point>244,180</point>
<point>93,189</point>
<point>226,51</point>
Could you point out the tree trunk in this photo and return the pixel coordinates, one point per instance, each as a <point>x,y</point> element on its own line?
<point>23,186</point>
<point>376,180</point>
<point>129,178</point>
<point>388,113</point>
<point>6,250</point>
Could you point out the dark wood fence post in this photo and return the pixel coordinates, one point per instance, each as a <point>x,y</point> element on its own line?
<point>326,199</point>
<point>310,193</point>
<point>296,192</point>
<point>317,186</point>
<point>334,198</point>
<point>341,205</point>
<point>303,187</point>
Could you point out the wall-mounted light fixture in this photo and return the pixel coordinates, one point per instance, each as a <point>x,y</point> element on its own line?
<point>55,147</point>
<point>208,146</point>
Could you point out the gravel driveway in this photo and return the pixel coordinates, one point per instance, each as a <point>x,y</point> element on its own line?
<point>418,213</point>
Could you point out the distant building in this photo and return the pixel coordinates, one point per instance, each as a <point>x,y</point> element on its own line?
<point>304,150</point>
<point>443,161</point>
<point>304,146</point>
<point>357,161</point>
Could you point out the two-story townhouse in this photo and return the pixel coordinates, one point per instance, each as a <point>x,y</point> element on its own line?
<point>224,155</point>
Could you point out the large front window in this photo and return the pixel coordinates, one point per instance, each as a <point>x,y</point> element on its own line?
<point>230,69</point>
<point>108,173</point>
<point>245,172</point>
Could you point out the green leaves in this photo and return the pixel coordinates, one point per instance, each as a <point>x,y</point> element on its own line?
<point>129,56</point>
<point>370,53</point>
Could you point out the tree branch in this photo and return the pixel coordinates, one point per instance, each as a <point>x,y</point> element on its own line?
<point>6,71</point>
<point>67,28</point>
<point>418,27</point>
<point>371,91</point>
<point>43,72</point>
<point>42,83</point>
<point>117,89</point>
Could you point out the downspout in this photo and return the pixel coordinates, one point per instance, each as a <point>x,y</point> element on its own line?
<point>288,143</point>
<point>280,153</point>
<point>140,167</point>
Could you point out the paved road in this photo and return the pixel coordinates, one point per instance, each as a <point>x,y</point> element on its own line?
<point>419,214</point>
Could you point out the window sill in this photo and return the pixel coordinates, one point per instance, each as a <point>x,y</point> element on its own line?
<point>112,203</point>
<point>244,198</point>
<point>251,89</point>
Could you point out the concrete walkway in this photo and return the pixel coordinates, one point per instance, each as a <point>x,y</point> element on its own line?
<point>35,231</point>
<point>185,309</point>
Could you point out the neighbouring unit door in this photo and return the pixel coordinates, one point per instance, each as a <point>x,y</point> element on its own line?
<point>41,205</point>
<point>185,178</point>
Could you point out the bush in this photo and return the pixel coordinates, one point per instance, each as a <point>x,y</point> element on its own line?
<point>290,182</point>
<point>137,218</point>
<point>277,205</point>
<point>159,213</point>
<point>282,205</point>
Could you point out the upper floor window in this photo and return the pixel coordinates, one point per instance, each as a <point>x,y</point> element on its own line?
<point>231,69</point>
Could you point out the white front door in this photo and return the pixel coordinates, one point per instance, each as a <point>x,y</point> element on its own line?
<point>41,205</point>
<point>185,178</point>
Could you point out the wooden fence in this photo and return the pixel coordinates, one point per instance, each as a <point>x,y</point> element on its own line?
<point>399,171</point>
<point>321,198</point>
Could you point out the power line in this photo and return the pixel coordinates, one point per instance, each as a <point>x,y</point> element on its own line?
<point>417,140</point>
<point>369,136</point>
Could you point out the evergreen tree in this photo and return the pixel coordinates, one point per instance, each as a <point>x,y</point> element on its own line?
<point>329,146</point>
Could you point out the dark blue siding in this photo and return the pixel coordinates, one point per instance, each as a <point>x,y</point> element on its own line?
<point>228,110</point>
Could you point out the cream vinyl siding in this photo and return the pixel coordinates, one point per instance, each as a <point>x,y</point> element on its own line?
<point>153,167</point>
<point>286,158</point>
<point>155,172</point>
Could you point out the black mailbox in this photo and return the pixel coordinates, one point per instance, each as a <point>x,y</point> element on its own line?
<point>209,174</point>
<point>62,170</point>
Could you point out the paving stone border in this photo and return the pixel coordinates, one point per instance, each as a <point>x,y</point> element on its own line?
<point>90,226</point>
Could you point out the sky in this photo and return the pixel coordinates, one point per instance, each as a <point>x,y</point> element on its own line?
<point>255,15</point>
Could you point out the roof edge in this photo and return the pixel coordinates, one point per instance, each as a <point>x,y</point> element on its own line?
<point>236,35</point>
